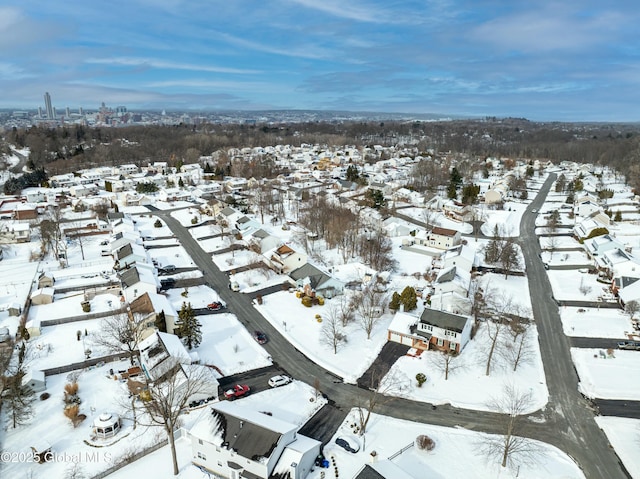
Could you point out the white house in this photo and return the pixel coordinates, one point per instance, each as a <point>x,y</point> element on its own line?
<point>138,280</point>
<point>285,259</point>
<point>237,442</point>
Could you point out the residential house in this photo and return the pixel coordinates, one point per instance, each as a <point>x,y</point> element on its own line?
<point>25,212</point>
<point>461,256</point>
<point>630,292</point>
<point>310,276</point>
<point>457,211</point>
<point>443,238</point>
<point>619,262</point>
<point>137,280</point>
<point>262,241</point>
<point>434,329</point>
<point>596,247</point>
<point>452,279</point>
<point>587,227</point>
<point>285,259</point>
<point>160,352</point>
<point>233,441</point>
<point>130,254</point>
<point>118,240</point>
<point>154,309</point>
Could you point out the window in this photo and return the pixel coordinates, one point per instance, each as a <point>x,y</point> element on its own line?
<point>202,456</point>
<point>452,346</point>
<point>440,342</point>
<point>200,441</point>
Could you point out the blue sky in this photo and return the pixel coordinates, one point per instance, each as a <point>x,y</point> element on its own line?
<point>543,60</point>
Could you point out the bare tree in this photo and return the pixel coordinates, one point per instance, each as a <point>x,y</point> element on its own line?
<point>502,307</point>
<point>369,304</point>
<point>552,243</point>
<point>510,448</point>
<point>121,333</point>
<point>382,389</point>
<point>632,308</point>
<point>509,259</point>
<point>446,362</point>
<point>52,238</point>
<point>332,333</point>
<point>165,398</point>
<point>519,350</point>
<point>585,289</point>
<point>345,310</point>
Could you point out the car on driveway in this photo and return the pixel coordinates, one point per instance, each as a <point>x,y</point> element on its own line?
<point>348,443</point>
<point>260,337</point>
<point>168,269</point>
<point>167,283</point>
<point>631,345</point>
<point>237,391</point>
<point>215,306</point>
<point>279,380</point>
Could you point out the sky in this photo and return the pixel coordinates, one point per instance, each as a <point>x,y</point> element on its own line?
<point>543,59</point>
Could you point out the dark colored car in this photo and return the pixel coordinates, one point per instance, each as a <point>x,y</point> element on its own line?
<point>215,306</point>
<point>350,445</point>
<point>237,391</point>
<point>167,283</point>
<point>260,337</point>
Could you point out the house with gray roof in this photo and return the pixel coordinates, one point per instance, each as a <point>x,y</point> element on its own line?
<point>323,283</point>
<point>234,441</point>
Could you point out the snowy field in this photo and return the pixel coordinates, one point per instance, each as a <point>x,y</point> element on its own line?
<point>236,259</point>
<point>511,288</point>
<point>456,453</point>
<point>608,377</point>
<point>175,255</point>
<point>468,386</point>
<point>567,285</point>
<point>507,219</point>
<point>566,258</point>
<point>198,296</point>
<point>623,434</point>
<point>299,325</point>
<point>410,262</point>
<point>438,219</point>
<point>559,243</point>
<point>595,323</point>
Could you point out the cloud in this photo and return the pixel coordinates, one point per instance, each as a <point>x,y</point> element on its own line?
<point>168,65</point>
<point>365,13</point>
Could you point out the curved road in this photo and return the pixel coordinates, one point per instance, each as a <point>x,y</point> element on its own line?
<point>567,421</point>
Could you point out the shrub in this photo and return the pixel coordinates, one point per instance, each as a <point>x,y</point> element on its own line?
<point>157,224</point>
<point>194,220</point>
<point>421,378</point>
<point>44,396</point>
<point>71,388</point>
<point>72,413</point>
<point>86,306</point>
<point>320,301</point>
<point>298,294</point>
<point>425,443</point>
<point>307,301</point>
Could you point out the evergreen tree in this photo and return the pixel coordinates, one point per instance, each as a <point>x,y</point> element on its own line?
<point>618,216</point>
<point>409,298</point>
<point>394,304</point>
<point>161,322</point>
<point>494,247</point>
<point>180,182</point>
<point>352,173</point>
<point>18,400</point>
<point>189,328</point>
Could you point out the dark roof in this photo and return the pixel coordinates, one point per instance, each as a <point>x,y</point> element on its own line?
<point>262,234</point>
<point>316,276</point>
<point>115,215</point>
<point>129,277</point>
<point>247,439</point>
<point>451,322</point>
<point>368,472</point>
<point>124,251</point>
<point>437,230</point>
<point>447,276</point>
<point>624,281</point>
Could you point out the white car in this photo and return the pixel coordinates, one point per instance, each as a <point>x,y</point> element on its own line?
<point>279,380</point>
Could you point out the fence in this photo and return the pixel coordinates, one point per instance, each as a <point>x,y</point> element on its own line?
<point>86,364</point>
<point>84,317</point>
<point>408,446</point>
<point>139,455</point>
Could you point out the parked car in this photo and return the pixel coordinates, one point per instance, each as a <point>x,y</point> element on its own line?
<point>349,444</point>
<point>632,345</point>
<point>234,286</point>
<point>280,380</point>
<point>168,269</point>
<point>260,337</point>
<point>167,283</point>
<point>237,391</point>
<point>215,306</point>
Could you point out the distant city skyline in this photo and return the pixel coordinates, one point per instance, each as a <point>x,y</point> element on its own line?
<point>544,60</point>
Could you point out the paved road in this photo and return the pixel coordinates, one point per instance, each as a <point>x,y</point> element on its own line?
<point>567,421</point>
<point>571,415</point>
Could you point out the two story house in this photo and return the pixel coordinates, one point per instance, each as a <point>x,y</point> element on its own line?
<point>237,442</point>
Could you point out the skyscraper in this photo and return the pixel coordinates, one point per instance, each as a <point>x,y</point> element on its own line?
<point>47,104</point>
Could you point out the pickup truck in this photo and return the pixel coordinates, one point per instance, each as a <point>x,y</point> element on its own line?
<point>632,345</point>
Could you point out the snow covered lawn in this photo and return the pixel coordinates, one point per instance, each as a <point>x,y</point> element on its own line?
<point>258,278</point>
<point>595,323</point>
<point>468,386</point>
<point>561,242</point>
<point>566,258</point>
<point>614,377</point>
<point>456,453</point>
<point>232,260</point>
<point>198,296</point>
<point>175,255</point>
<point>623,434</point>
<point>566,285</point>
<point>507,219</point>
<point>298,324</point>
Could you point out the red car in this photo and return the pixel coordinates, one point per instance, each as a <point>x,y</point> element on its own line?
<point>237,391</point>
<point>260,337</point>
<point>215,306</point>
